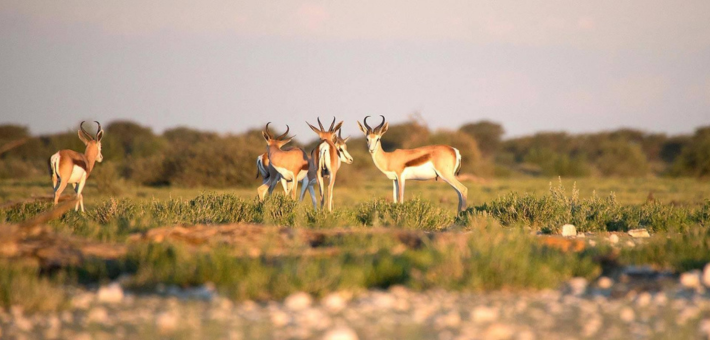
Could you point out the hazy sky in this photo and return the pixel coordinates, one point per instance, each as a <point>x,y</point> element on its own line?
<point>228,66</point>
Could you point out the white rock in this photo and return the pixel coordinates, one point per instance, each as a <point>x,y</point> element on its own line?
<point>280,318</point>
<point>627,314</point>
<point>298,301</point>
<point>706,275</point>
<point>577,285</point>
<point>704,328</point>
<point>112,293</point>
<point>605,282</point>
<point>334,303</point>
<point>498,331</point>
<point>451,320</point>
<point>166,322</point>
<point>97,315</point>
<point>569,230</point>
<point>690,279</point>
<point>23,323</point>
<point>340,333</point>
<point>614,238</point>
<point>643,299</point>
<point>383,300</point>
<point>483,314</point>
<point>639,233</point>
<point>82,300</point>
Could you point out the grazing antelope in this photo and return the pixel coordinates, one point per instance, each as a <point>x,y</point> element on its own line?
<point>69,166</point>
<point>428,162</point>
<point>291,165</point>
<point>262,168</point>
<point>325,162</point>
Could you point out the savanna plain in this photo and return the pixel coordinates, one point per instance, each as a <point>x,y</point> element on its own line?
<point>193,263</point>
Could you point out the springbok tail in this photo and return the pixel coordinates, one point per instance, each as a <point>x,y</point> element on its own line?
<point>258,166</point>
<point>324,159</point>
<point>458,162</point>
<point>54,165</point>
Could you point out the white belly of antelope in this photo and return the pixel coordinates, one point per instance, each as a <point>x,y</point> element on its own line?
<point>301,175</point>
<point>420,172</point>
<point>285,174</point>
<point>77,173</point>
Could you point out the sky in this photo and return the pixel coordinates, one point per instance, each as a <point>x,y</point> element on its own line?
<point>230,66</point>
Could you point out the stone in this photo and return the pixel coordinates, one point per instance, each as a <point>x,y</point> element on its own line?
<point>627,314</point>
<point>340,333</point>
<point>577,285</point>
<point>498,331</point>
<point>643,299</point>
<point>639,233</point>
<point>112,293</point>
<point>483,314</point>
<point>614,239</point>
<point>298,301</point>
<point>690,279</point>
<point>280,318</point>
<point>569,230</point>
<point>706,275</point>
<point>82,300</point>
<point>334,302</point>
<point>605,282</point>
<point>383,300</point>
<point>97,315</point>
<point>166,322</point>
<point>451,320</point>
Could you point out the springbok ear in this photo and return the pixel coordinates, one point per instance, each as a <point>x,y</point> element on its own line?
<point>384,128</point>
<point>266,136</point>
<point>286,141</point>
<point>84,138</point>
<point>100,135</point>
<point>361,128</point>
<point>338,126</point>
<point>313,128</point>
<point>346,139</point>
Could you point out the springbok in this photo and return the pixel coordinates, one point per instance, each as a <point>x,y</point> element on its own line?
<point>262,168</point>
<point>424,163</point>
<point>325,162</point>
<point>69,166</point>
<point>291,165</point>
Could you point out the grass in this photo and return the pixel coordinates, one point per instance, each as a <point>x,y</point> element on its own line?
<point>369,242</point>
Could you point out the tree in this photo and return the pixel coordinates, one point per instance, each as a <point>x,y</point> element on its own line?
<point>694,160</point>
<point>488,136</point>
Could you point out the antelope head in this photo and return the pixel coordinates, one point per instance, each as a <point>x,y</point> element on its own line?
<point>324,134</point>
<point>373,135</point>
<point>342,148</point>
<point>279,141</point>
<point>93,143</point>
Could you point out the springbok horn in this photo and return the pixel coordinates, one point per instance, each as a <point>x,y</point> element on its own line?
<point>367,126</point>
<point>321,125</point>
<point>331,125</point>
<point>381,124</point>
<point>266,129</point>
<point>81,126</point>
<point>99,130</point>
<point>285,133</point>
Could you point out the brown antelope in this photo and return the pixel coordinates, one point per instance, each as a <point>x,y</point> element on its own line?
<point>424,163</point>
<point>262,168</point>
<point>69,166</point>
<point>291,165</point>
<point>325,162</point>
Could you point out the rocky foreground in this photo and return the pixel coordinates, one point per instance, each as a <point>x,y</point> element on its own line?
<point>641,304</point>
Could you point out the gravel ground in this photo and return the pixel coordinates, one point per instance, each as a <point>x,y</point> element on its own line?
<point>676,308</point>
